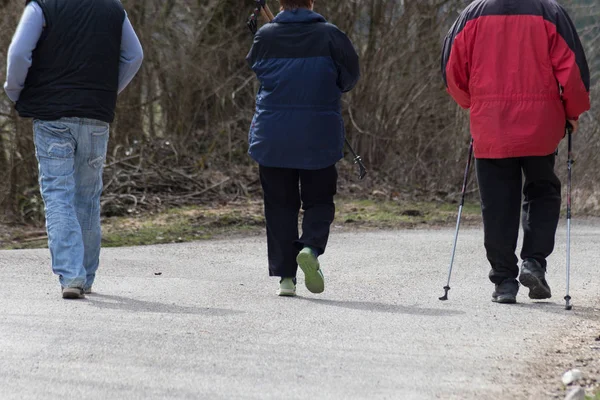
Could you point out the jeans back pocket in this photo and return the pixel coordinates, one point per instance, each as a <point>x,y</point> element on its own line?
<point>99,142</point>
<point>55,148</point>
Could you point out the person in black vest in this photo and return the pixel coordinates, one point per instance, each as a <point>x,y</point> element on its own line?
<point>67,62</point>
<point>304,64</point>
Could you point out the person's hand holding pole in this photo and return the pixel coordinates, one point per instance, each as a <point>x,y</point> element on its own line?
<point>574,125</point>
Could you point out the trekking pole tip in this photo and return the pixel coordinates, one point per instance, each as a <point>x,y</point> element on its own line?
<point>568,305</point>
<point>445,296</point>
<point>362,174</point>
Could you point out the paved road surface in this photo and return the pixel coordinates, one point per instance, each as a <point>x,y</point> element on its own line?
<point>211,327</point>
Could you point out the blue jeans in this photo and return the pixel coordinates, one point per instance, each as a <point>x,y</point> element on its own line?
<point>71,154</point>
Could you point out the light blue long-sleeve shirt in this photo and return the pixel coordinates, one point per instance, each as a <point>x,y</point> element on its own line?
<point>28,34</point>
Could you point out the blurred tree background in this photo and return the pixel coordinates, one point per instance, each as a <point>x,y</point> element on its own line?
<point>180,136</point>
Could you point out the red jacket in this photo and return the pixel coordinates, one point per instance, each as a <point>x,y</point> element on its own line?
<point>508,61</point>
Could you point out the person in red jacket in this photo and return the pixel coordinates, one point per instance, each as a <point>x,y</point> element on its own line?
<point>520,68</point>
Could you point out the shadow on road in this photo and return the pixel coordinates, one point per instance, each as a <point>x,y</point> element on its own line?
<point>126,304</point>
<point>385,308</point>
<point>589,313</point>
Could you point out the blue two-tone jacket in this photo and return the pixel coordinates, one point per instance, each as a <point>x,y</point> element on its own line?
<point>304,64</point>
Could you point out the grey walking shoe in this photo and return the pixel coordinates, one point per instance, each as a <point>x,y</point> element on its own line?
<point>287,287</point>
<point>533,276</point>
<point>72,293</point>
<point>88,290</point>
<point>506,292</point>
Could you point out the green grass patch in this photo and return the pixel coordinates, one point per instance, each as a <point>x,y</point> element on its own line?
<point>183,225</point>
<point>207,222</point>
<point>389,214</point>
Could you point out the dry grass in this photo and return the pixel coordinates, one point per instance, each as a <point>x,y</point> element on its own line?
<point>246,218</point>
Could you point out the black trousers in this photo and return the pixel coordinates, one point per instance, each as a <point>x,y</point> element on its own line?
<point>285,190</point>
<point>500,185</point>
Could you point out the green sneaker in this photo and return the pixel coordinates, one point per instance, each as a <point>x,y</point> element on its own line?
<point>313,277</point>
<point>287,287</point>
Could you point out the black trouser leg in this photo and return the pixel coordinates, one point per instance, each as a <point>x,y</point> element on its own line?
<point>500,183</point>
<point>318,189</point>
<point>282,206</point>
<point>541,207</point>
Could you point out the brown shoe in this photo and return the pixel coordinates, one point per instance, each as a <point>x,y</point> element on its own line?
<point>72,293</point>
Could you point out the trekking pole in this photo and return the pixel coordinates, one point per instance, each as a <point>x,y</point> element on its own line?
<point>460,209</point>
<point>263,9</point>
<point>570,163</point>
<point>362,170</point>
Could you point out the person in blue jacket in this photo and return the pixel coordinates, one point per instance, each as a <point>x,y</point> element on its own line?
<point>304,64</point>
